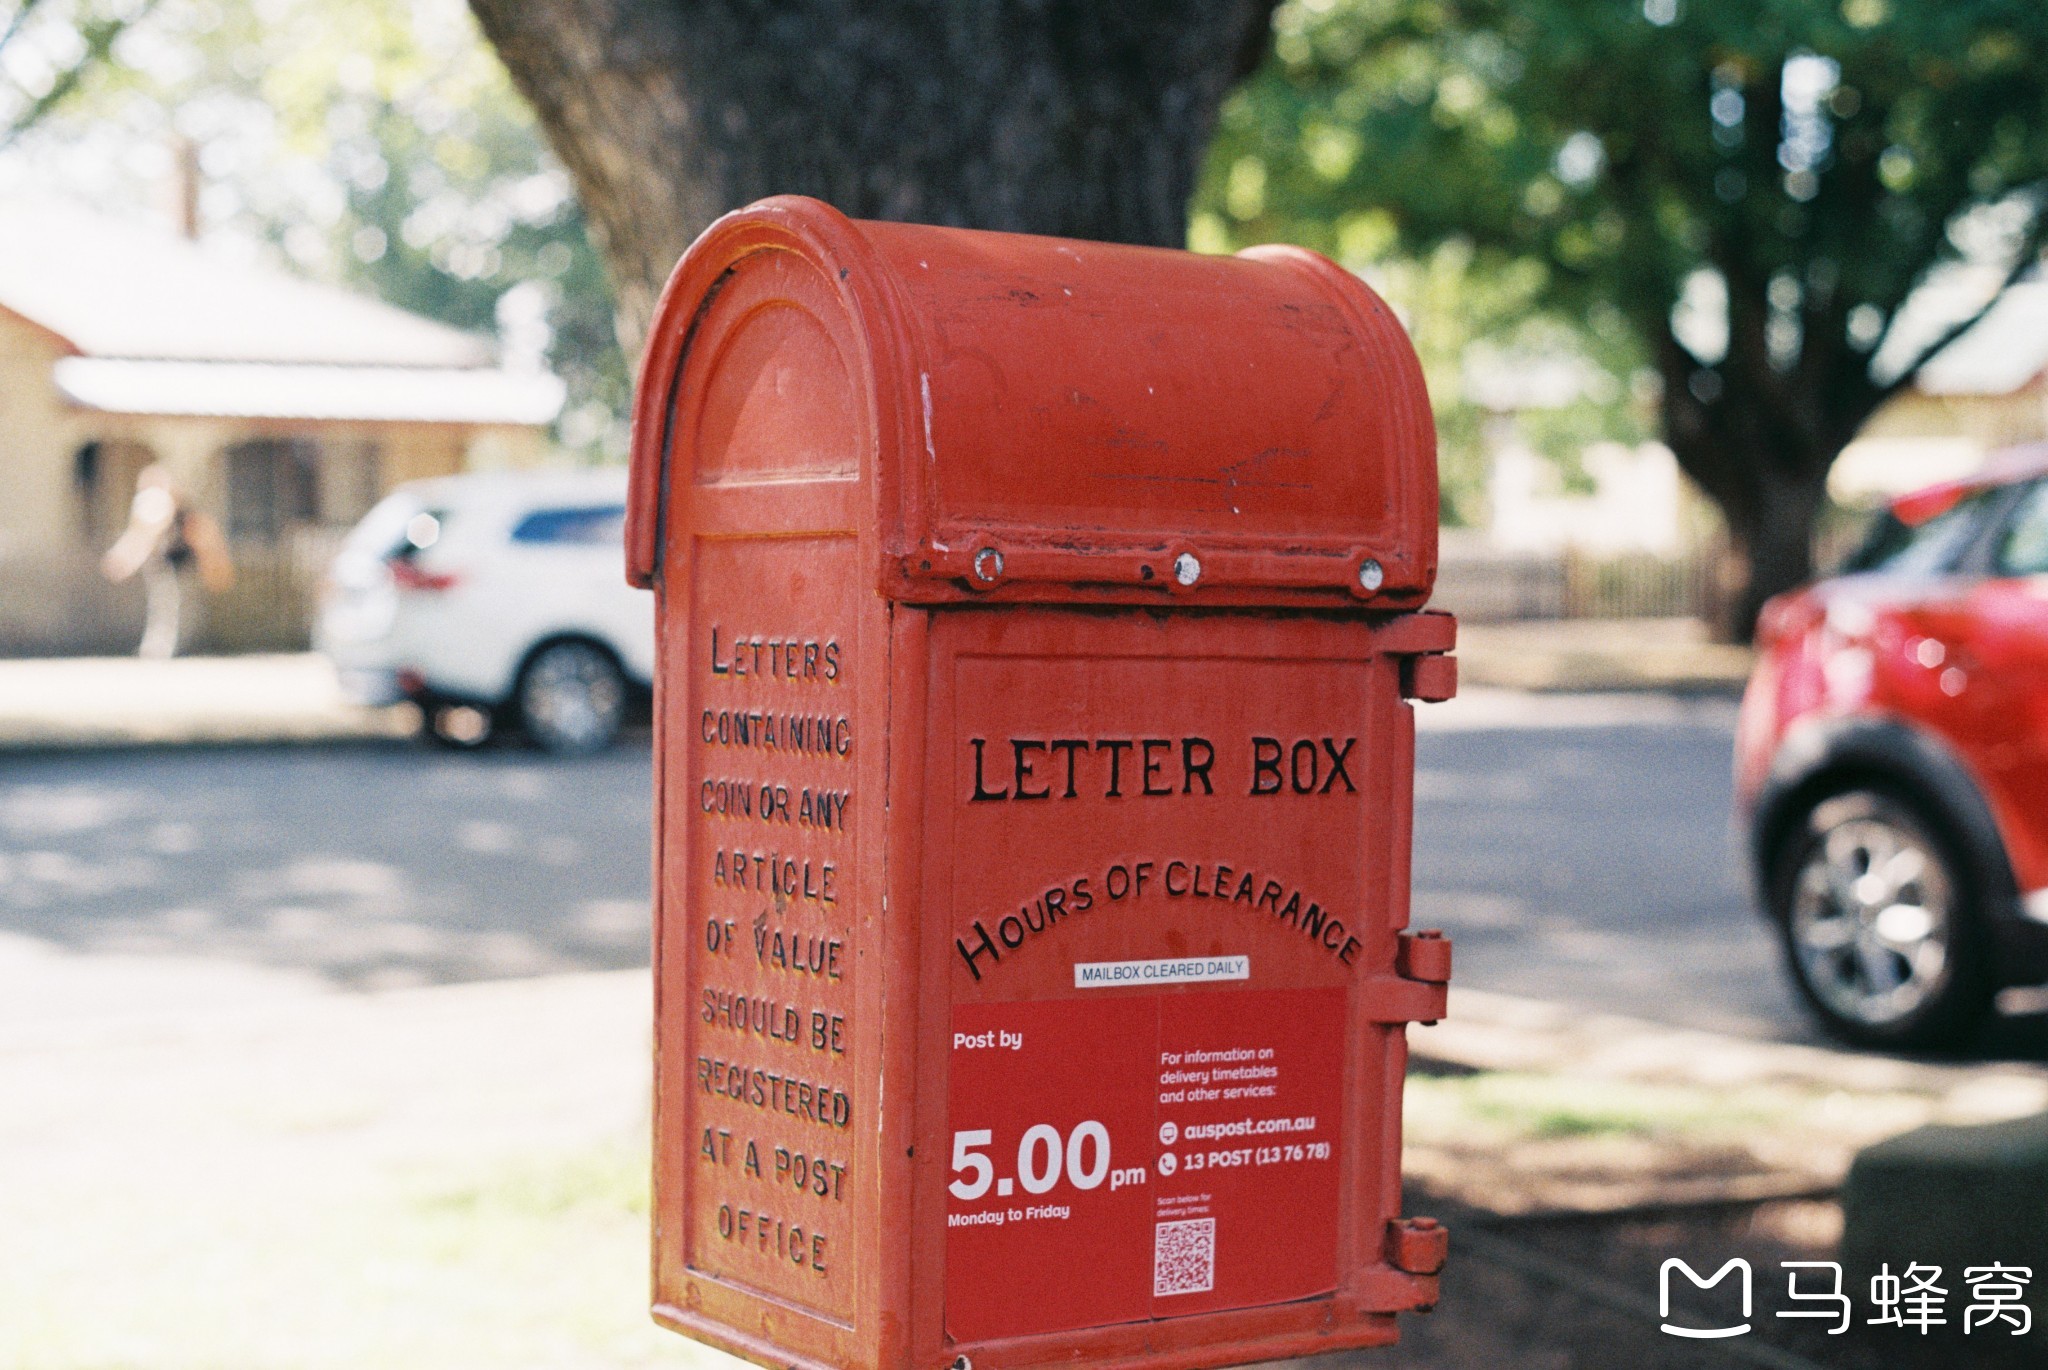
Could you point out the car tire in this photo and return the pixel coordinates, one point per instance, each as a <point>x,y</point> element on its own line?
<point>571,698</point>
<point>458,727</point>
<point>1879,917</point>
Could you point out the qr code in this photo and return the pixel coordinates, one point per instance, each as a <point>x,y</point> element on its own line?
<point>1184,1257</point>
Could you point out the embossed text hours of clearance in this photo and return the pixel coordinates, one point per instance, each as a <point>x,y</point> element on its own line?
<point>1022,769</point>
<point>772,740</point>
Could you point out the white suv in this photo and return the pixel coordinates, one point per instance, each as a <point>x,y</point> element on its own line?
<point>492,600</point>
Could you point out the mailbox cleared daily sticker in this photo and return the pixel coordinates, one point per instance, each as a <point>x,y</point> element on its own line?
<point>1134,1157</point>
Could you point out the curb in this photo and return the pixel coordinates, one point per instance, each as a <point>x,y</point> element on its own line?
<point>58,704</point>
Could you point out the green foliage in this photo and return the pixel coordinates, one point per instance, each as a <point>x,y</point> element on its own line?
<point>1474,320</point>
<point>1516,1108</point>
<point>1473,326</point>
<point>1621,151</point>
<point>1819,158</point>
<point>377,143</point>
<point>47,50</point>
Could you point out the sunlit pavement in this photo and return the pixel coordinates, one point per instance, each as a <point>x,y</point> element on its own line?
<point>310,1059</point>
<point>126,701</point>
<point>207,1166</point>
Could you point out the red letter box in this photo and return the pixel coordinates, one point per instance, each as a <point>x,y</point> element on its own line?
<point>1033,785</point>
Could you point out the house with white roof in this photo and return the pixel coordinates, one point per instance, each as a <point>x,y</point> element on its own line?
<point>1986,390</point>
<point>283,408</point>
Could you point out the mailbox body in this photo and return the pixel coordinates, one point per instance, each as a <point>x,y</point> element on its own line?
<point>1031,961</point>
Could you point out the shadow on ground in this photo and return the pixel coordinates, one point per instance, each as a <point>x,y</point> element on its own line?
<point>372,865</point>
<point>1580,1292</point>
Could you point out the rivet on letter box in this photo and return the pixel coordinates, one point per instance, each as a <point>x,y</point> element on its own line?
<point>1033,782</point>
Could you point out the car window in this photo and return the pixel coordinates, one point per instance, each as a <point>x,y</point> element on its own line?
<point>2023,550</point>
<point>588,525</point>
<point>1923,548</point>
<point>1881,541</point>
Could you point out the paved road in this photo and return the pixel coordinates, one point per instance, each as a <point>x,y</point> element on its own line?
<point>1576,850</point>
<point>373,864</point>
<point>1582,850</point>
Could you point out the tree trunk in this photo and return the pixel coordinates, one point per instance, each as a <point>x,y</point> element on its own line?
<point>1042,116</point>
<point>1774,539</point>
<point>1771,504</point>
<point>1742,436</point>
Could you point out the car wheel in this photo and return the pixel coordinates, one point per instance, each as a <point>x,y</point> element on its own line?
<point>459,727</point>
<point>572,698</point>
<point>1877,916</point>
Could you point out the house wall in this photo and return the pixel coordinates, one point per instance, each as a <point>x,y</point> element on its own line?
<point>277,581</point>
<point>1917,440</point>
<point>32,433</point>
<point>53,599</point>
<point>1638,503</point>
<point>47,568</point>
<point>504,448</point>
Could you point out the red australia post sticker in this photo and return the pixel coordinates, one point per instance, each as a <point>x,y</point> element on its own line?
<point>1127,1158</point>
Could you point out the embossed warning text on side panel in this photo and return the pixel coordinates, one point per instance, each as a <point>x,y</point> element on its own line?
<point>775,1099</point>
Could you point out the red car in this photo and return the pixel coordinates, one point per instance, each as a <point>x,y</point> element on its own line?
<point>1892,758</point>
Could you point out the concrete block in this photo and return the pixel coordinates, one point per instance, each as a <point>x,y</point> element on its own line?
<point>1954,1197</point>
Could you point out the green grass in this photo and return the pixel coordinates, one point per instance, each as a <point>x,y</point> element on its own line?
<point>1541,1107</point>
<point>528,1260</point>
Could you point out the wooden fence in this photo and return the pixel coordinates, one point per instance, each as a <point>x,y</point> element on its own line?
<point>275,596</point>
<point>1494,587</point>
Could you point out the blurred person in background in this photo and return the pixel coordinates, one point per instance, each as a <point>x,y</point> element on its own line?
<point>166,540</point>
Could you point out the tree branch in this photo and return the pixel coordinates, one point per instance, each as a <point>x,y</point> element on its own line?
<point>2027,257</point>
<point>17,19</point>
<point>98,35</point>
<point>1256,40</point>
